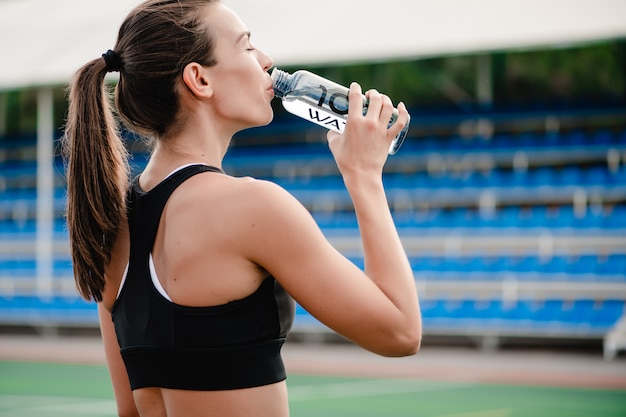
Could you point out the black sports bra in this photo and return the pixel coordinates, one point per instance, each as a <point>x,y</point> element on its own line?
<point>164,344</point>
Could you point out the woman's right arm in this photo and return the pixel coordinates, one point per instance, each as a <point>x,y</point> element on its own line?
<point>376,308</point>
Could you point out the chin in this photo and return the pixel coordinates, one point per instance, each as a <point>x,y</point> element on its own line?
<point>267,119</point>
<point>270,118</point>
<point>258,122</point>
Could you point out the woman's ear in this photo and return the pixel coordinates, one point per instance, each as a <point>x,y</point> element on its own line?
<point>197,81</point>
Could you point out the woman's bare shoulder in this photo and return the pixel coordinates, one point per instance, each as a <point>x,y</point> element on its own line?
<point>242,192</point>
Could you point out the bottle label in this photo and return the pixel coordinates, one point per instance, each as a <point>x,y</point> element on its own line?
<point>337,101</point>
<point>315,115</point>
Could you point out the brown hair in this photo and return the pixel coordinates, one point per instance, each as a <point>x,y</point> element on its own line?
<point>155,42</point>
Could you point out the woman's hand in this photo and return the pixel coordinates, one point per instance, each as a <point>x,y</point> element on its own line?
<point>364,145</point>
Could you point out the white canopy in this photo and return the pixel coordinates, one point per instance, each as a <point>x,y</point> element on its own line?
<point>43,42</point>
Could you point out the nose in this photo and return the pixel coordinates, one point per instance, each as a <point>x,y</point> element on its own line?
<point>265,61</point>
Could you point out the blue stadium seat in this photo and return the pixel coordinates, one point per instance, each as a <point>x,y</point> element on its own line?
<point>502,141</point>
<point>578,316</point>
<point>63,267</point>
<point>575,139</point>
<point>563,218</point>
<point>434,308</point>
<point>558,264</point>
<point>584,265</point>
<point>518,178</point>
<point>435,263</point>
<point>608,313</point>
<point>543,176</point>
<point>499,178</point>
<point>429,143</point>
<point>602,137</point>
<point>528,264</point>
<point>597,176</point>
<point>578,311</point>
<point>518,310</point>
<point>617,218</point>
<point>17,267</point>
<point>594,218</point>
<point>474,264</point>
<point>614,264</point>
<point>549,311</point>
<point>335,219</point>
<point>619,178</point>
<point>570,175</point>
<point>487,309</point>
<point>528,140</point>
<point>495,264</point>
<point>459,309</point>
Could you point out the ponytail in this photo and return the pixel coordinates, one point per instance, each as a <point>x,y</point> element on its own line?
<point>97,178</point>
<point>155,41</point>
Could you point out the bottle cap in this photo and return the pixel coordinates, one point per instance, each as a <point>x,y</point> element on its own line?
<point>281,85</point>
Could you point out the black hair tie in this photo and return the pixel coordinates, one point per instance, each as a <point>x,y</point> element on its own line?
<point>112,60</point>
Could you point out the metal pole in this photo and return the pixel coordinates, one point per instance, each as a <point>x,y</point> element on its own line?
<point>484,82</point>
<point>3,113</point>
<point>45,191</point>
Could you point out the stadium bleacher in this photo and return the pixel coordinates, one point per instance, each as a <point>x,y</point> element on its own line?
<point>513,235</point>
<point>556,264</point>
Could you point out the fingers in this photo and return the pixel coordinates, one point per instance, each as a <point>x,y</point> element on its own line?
<point>379,110</point>
<point>355,101</point>
<point>380,107</point>
<point>401,121</point>
<point>331,135</point>
<point>375,104</point>
<point>386,111</point>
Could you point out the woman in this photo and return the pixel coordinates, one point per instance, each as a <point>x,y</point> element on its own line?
<point>190,266</point>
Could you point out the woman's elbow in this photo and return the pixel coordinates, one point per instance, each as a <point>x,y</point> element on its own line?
<point>409,343</point>
<point>405,343</point>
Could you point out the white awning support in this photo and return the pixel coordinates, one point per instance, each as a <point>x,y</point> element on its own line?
<point>45,192</point>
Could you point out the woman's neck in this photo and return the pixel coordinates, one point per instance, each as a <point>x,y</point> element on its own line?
<point>192,147</point>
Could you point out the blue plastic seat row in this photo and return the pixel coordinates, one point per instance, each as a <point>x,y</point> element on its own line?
<point>23,202</point>
<point>560,216</point>
<point>28,194</point>
<point>506,219</point>
<point>54,310</point>
<point>611,265</point>
<point>585,268</point>
<point>551,316</point>
<point>556,217</point>
<point>526,140</point>
<point>599,314</point>
<point>535,177</point>
<point>16,268</point>
<point>27,168</point>
<point>29,227</point>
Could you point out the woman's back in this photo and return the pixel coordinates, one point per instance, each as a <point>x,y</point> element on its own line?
<point>219,276</point>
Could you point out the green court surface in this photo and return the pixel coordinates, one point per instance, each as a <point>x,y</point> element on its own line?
<point>54,390</point>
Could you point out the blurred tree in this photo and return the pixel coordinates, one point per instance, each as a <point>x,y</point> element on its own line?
<point>588,75</point>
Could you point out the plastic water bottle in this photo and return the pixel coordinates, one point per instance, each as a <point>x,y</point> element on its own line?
<point>321,101</point>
